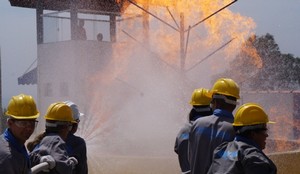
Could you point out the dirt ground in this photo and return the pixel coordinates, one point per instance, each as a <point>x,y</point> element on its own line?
<point>286,162</point>
<point>133,165</point>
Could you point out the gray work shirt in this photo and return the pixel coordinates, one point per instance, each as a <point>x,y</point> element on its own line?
<point>241,156</point>
<point>181,147</point>
<point>54,145</point>
<point>13,156</point>
<point>181,142</point>
<point>205,135</point>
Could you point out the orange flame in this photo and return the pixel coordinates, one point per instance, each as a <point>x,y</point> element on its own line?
<point>204,38</point>
<point>157,2</point>
<point>250,51</point>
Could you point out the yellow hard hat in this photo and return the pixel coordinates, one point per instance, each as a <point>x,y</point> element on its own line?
<point>22,107</point>
<point>200,97</point>
<point>225,86</point>
<point>59,112</point>
<point>250,114</point>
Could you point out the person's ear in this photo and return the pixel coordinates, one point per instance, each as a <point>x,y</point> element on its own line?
<point>9,122</point>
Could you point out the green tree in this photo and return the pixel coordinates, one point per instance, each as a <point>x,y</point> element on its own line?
<point>261,66</point>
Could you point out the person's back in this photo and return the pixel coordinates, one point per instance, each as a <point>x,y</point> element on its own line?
<point>77,148</point>
<point>200,103</point>
<point>209,132</point>
<point>52,143</point>
<point>181,147</point>
<point>205,135</point>
<point>244,154</point>
<point>22,114</point>
<point>241,156</point>
<point>80,31</point>
<point>76,144</point>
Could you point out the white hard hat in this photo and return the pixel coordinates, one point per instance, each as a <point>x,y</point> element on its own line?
<point>75,112</point>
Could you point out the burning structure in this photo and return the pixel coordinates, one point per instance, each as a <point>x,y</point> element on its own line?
<point>134,85</point>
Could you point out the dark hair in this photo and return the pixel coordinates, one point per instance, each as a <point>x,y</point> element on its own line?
<point>246,130</point>
<point>99,36</point>
<point>196,112</point>
<point>221,104</point>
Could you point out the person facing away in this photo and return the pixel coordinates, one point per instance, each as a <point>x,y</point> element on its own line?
<point>80,30</point>
<point>52,142</point>
<point>210,131</point>
<point>22,114</point>
<point>200,102</point>
<point>99,37</point>
<point>244,154</point>
<point>76,144</point>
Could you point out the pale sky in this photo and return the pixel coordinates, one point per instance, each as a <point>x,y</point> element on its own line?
<point>18,36</point>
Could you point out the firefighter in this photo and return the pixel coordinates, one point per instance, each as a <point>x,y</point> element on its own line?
<point>210,131</point>
<point>52,142</point>
<point>76,144</point>
<point>200,102</point>
<point>22,114</point>
<point>244,154</point>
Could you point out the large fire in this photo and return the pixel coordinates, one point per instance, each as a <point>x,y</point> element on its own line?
<point>146,61</point>
<point>168,31</point>
<point>200,37</point>
<point>144,89</point>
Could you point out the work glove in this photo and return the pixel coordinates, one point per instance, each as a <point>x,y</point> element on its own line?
<point>73,161</point>
<point>50,160</point>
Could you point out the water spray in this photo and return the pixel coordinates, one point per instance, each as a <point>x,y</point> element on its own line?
<point>209,55</point>
<point>131,86</point>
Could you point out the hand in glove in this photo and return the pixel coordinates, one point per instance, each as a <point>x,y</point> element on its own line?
<point>73,161</point>
<point>50,160</point>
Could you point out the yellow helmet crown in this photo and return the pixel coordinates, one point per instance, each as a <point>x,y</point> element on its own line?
<point>22,107</point>
<point>225,86</point>
<point>200,97</point>
<point>59,112</point>
<point>250,114</point>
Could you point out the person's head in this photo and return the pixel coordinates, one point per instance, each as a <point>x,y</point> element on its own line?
<point>200,101</point>
<point>99,36</point>
<point>59,119</point>
<point>22,114</point>
<point>251,121</point>
<point>76,115</point>
<point>81,22</point>
<point>224,93</point>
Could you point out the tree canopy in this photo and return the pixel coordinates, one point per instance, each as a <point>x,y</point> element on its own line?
<point>261,66</point>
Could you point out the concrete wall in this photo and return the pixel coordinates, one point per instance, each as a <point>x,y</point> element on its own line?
<point>63,68</point>
<point>287,162</point>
